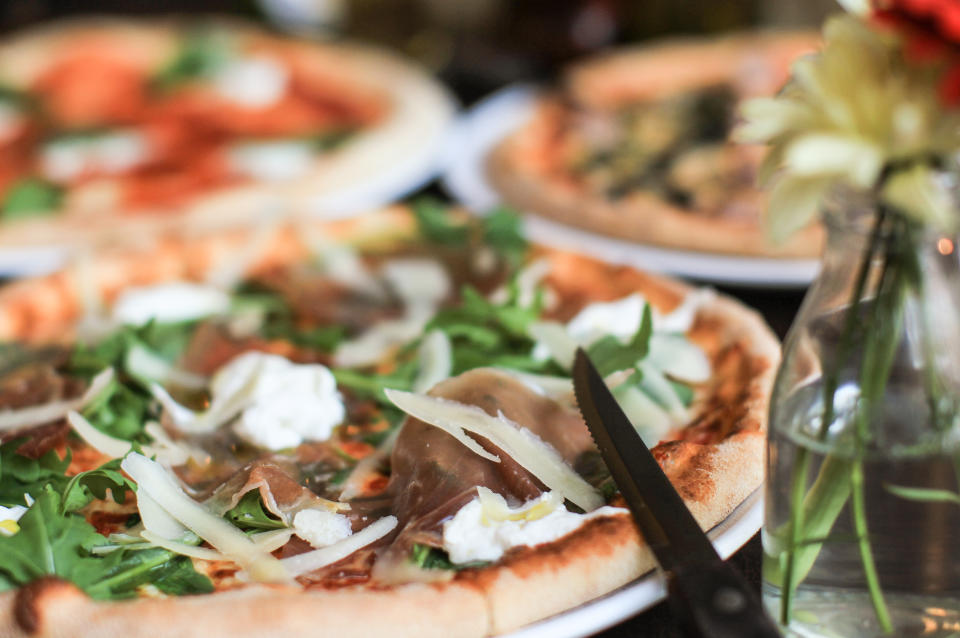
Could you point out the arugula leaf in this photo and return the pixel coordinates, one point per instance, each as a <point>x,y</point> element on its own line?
<point>31,197</point>
<point>368,385</point>
<point>279,322</point>
<point>503,230</point>
<point>482,332</point>
<point>53,542</point>
<point>250,514</point>
<point>21,475</point>
<point>427,557</point>
<point>86,486</point>
<point>436,224</point>
<point>120,411</point>
<point>610,355</point>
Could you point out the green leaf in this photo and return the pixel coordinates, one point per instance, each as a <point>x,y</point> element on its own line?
<point>21,475</point>
<point>200,54</point>
<point>280,323</point>
<point>436,224</point>
<point>427,557</point>
<point>57,543</point>
<point>250,514</point>
<point>503,231</point>
<point>610,355</point>
<point>923,494</point>
<point>93,484</point>
<point>31,197</point>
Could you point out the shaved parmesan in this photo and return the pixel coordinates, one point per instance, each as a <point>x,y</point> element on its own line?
<point>354,483</point>
<point>678,357</point>
<point>156,520</point>
<point>100,441</point>
<point>522,445</point>
<point>435,356</point>
<point>234,544</point>
<point>495,509</point>
<point>681,318</point>
<point>310,561</point>
<point>203,553</point>
<point>381,339</point>
<point>273,539</point>
<point>144,363</point>
<point>272,160</point>
<point>553,342</point>
<point>417,281</point>
<point>39,414</point>
<point>649,419</point>
<point>169,302</point>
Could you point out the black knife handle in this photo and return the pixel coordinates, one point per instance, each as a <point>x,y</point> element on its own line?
<point>714,601</point>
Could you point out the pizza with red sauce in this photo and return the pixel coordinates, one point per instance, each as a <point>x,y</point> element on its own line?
<point>109,127</point>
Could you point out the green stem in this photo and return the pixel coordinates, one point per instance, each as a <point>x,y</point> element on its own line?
<point>792,575</point>
<point>866,553</point>
<point>104,587</point>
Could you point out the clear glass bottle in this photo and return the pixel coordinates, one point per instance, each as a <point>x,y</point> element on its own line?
<point>862,529</point>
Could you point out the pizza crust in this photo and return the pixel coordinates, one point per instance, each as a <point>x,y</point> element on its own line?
<point>528,584</point>
<point>419,113</point>
<point>756,63</point>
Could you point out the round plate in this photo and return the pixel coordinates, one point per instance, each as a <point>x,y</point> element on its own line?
<point>351,192</point>
<point>599,614</point>
<point>491,119</point>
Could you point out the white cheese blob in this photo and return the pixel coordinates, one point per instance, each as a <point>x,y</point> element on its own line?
<point>272,161</point>
<point>620,318</point>
<point>321,528</point>
<point>252,82</point>
<point>9,517</point>
<point>169,302</point>
<point>66,159</point>
<point>284,403</point>
<point>473,535</point>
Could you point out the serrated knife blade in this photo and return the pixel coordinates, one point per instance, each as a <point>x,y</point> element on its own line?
<point>709,598</point>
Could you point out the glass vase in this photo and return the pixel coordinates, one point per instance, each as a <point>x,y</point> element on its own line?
<point>862,525</point>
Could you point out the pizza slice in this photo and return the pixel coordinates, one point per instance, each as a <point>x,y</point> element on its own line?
<point>117,125</point>
<point>350,428</point>
<point>636,145</point>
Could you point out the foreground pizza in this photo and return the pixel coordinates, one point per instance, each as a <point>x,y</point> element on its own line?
<point>635,145</point>
<point>109,127</point>
<point>239,454</point>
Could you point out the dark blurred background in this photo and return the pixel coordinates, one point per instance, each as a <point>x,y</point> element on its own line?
<point>475,45</point>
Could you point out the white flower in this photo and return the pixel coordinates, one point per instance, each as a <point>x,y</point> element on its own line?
<point>848,113</point>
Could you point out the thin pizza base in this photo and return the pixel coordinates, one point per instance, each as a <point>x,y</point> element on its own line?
<point>527,585</point>
<point>420,111</point>
<point>517,171</point>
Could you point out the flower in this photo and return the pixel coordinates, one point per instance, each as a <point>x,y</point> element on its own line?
<point>855,113</point>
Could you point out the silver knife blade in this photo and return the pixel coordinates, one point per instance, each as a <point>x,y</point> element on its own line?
<point>667,525</point>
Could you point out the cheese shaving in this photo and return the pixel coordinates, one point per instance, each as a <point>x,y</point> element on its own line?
<point>522,445</point>
<point>496,510</point>
<point>435,355</point>
<point>203,553</point>
<point>152,478</point>
<point>40,414</point>
<point>310,561</point>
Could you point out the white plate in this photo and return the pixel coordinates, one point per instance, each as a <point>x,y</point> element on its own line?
<point>587,619</point>
<point>484,125</point>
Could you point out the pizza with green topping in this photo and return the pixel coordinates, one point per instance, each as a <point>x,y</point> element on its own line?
<point>636,145</point>
<point>110,127</point>
<point>350,428</point>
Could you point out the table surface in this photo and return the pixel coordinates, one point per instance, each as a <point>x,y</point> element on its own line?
<point>778,308</point>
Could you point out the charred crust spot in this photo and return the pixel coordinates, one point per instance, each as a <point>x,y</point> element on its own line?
<point>30,600</point>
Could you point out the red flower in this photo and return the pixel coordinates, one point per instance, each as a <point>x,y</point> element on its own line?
<point>940,19</point>
<point>931,34</point>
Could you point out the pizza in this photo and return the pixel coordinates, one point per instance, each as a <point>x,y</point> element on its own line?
<point>635,145</point>
<point>113,128</point>
<point>350,427</point>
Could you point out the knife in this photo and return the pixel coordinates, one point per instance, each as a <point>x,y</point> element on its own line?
<point>707,596</point>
